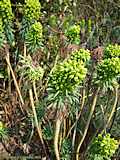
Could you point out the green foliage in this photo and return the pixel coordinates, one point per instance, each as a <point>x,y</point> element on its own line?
<point>108,71</point>
<point>33,38</point>
<point>66,149</point>
<point>81,55</point>
<point>29,70</point>
<point>32,10</point>
<point>2,36</point>
<point>7,18</point>
<point>73,34</point>
<point>48,132</point>
<point>112,51</point>
<point>103,147</point>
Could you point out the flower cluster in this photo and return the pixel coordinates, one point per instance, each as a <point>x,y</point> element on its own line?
<point>33,37</point>
<point>103,146</point>
<point>7,19</point>
<point>6,11</point>
<point>81,55</point>
<point>32,10</point>
<point>73,34</point>
<point>31,30</point>
<point>112,51</point>
<point>67,76</point>
<point>108,70</point>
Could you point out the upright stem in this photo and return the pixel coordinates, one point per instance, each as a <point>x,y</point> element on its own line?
<point>81,108</point>
<point>8,70</point>
<point>35,91</point>
<point>56,138</point>
<point>36,120</point>
<point>15,81</point>
<point>25,50</point>
<point>113,108</point>
<point>88,122</point>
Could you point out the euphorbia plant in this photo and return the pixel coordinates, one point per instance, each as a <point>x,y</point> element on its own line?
<point>31,29</point>
<point>108,73</point>
<point>62,86</point>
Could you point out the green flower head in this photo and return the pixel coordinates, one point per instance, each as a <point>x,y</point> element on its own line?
<point>108,70</point>
<point>6,11</point>
<point>33,37</point>
<point>81,55</point>
<point>104,146</point>
<point>112,51</point>
<point>32,10</point>
<point>73,34</point>
<point>67,76</point>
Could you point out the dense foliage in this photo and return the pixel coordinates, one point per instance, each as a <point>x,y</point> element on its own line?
<point>60,79</point>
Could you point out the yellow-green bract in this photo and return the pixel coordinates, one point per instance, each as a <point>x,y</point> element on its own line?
<point>67,76</point>
<point>32,10</point>
<point>33,37</point>
<point>112,51</point>
<point>81,55</point>
<point>6,11</point>
<point>108,70</point>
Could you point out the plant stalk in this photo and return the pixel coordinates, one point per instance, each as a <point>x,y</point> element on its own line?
<point>15,81</point>
<point>88,122</point>
<point>56,138</point>
<point>113,108</point>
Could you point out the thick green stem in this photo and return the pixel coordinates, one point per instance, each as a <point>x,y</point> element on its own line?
<point>56,138</point>
<point>88,122</point>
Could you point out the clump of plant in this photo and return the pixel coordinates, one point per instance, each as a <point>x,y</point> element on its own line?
<point>103,147</point>
<point>81,55</point>
<point>62,86</point>
<point>31,14</point>
<point>31,29</point>
<point>7,19</point>
<point>112,51</point>
<point>32,10</point>
<point>73,34</point>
